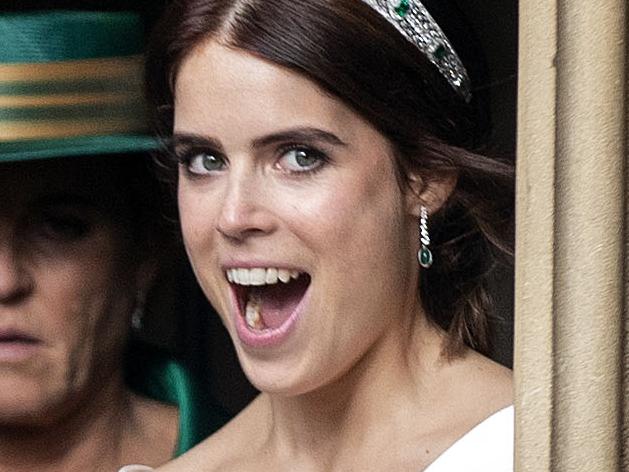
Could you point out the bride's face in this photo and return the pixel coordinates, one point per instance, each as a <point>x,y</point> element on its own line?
<point>293,219</point>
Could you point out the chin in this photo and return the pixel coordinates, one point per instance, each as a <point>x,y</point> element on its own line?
<point>22,411</point>
<point>288,375</point>
<point>27,402</point>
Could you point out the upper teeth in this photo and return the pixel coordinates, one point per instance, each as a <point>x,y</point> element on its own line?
<point>260,276</point>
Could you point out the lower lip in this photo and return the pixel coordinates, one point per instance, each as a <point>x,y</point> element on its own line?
<point>16,351</point>
<point>269,337</point>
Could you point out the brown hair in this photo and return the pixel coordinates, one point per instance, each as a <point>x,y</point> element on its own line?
<point>354,54</point>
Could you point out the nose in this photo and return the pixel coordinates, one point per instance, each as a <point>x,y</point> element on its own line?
<point>245,212</point>
<point>15,283</point>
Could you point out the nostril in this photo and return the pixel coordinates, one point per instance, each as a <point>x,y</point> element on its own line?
<point>8,297</point>
<point>238,226</point>
<point>13,292</point>
<point>241,234</point>
<point>15,283</point>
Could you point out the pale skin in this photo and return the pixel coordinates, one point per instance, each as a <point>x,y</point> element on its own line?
<point>361,384</point>
<point>68,284</point>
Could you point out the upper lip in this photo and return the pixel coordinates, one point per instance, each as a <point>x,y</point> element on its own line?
<point>14,334</point>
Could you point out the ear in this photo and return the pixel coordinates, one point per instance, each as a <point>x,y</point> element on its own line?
<point>431,192</point>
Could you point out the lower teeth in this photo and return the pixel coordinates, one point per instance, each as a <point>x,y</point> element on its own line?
<point>252,315</point>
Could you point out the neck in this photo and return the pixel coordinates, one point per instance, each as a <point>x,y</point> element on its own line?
<point>89,437</point>
<point>397,377</point>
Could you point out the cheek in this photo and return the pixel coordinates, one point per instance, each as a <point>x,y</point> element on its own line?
<point>360,238</point>
<point>85,305</point>
<point>196,219</point>
<point>196,214</point>
<point>358,218</point>
<point>70,297</point>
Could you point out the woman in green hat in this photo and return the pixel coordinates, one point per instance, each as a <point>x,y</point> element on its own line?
<point>79,233</point>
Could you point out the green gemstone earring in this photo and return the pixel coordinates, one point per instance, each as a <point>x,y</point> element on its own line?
<point>424,255</point>
<point>137,317</point>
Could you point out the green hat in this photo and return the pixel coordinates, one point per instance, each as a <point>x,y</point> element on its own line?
<point>71,83</point>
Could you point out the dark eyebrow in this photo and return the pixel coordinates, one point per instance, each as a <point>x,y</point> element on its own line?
<point>191,139</point>
<point>65,199</point>
<point>71,201</point>
<point>299,135</point>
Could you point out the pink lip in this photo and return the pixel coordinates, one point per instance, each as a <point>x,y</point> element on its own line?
<point>16,346</point>
<point>266,338</point>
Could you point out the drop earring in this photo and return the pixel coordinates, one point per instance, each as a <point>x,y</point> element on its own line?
<point>137,317</point>
<point>424,255</point>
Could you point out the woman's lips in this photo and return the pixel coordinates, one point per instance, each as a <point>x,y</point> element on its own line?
<point>17,346</point>
<point>262,336</point>
<point>268,337</point>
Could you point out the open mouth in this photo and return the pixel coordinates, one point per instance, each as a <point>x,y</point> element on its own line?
<point>267,297</point>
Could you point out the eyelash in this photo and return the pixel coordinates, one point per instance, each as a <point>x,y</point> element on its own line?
<point>321,156</point>
<point>184,156</point>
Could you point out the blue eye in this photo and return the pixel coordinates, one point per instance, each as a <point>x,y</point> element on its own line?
<point>203,164</point>
<point>302,160</point>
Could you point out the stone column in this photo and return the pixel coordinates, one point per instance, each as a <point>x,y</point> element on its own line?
<point>571,352</point>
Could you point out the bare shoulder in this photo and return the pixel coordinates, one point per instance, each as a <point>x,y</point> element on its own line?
<point>496,380</point>
<point>224,449</point>
<point>472,388</point>
<point>487,382</point>
<point>156,415</point>
<point>151,431</point>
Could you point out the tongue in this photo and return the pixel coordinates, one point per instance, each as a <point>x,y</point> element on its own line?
<point>277,302</point>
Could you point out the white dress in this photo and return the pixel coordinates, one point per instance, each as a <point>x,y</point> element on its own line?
<point>488,447</point>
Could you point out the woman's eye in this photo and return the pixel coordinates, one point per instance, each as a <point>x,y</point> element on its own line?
<point>204,163</point>
<point>302,160</point>
<point>63,227</point>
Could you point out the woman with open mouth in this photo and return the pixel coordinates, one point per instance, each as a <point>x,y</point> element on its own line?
<point>340,219</point>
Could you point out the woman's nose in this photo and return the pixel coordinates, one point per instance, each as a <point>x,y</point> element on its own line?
<point>244,212</point>
<point>15,283</point>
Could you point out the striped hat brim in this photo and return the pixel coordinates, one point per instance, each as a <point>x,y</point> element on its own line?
<point>79,146</point>
<point>77,107</point>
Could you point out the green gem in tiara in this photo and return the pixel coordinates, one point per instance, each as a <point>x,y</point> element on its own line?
<point>403,7</point>
<point>416,24</point>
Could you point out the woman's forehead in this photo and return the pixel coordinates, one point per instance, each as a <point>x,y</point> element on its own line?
<point>219,87</point>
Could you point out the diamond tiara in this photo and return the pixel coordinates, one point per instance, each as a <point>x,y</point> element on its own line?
<point>412,19</point>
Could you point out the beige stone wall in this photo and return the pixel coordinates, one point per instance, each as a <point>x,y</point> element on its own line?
<point>572,280</point>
